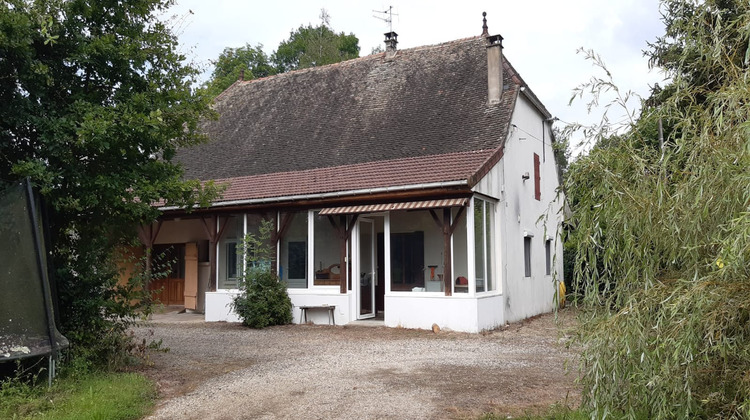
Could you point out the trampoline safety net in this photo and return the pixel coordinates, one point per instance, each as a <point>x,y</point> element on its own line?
<point>27,326</point>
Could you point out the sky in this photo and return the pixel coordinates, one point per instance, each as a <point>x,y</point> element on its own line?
<point>541,37</point>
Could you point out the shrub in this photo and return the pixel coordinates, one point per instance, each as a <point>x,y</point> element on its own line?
<point>263,300</point>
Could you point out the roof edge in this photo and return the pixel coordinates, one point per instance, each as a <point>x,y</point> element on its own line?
<point>376,56</point>
<point>535,101</point>
<point>332,194</point>
<point>527,92</point>
<point>496,155</point>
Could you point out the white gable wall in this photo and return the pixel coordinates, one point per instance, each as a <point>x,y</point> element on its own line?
<point>524,215</point>
<point>519,214</point>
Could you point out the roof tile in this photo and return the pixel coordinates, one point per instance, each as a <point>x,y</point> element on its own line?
<point>419,117</point>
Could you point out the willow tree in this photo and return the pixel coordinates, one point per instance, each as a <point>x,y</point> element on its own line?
<point>663,233</point>
<point>94,101</point>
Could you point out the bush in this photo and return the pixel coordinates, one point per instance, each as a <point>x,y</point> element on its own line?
<point>263,300</point>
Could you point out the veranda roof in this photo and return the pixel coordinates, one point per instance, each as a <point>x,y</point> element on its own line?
<point>411,205</point>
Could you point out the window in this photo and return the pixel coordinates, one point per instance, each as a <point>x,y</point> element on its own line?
<point>527,256</point>
<point>326,252</point>
<point>407,260</point>
<point>460,252</point>
<point>293,252</point>
<point>537,179</point>
<point>231,260</point>
<point>416,244</point>
<point>483,234</point>
<point>229,267</point>
<point>548,255</point>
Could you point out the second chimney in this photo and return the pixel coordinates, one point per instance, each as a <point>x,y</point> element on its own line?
<point>390,44</point>
<point>494,68</point>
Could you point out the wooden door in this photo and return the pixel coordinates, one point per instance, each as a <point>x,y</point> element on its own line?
<point>169,290</point>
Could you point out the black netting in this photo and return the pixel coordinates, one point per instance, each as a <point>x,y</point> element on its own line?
<point>26,311</point>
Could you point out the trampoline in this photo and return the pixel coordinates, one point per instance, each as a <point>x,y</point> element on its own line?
<point>27,321</point>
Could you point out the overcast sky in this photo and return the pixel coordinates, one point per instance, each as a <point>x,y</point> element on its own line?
<point>540,36</point>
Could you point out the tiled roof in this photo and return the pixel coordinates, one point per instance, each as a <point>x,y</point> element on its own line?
<point>419,117</point>
<point>363,176</point>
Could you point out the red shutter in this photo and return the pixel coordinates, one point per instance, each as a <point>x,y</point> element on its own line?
<point>537,179</point>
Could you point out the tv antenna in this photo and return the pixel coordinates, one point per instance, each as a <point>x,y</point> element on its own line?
<point>386,16</point>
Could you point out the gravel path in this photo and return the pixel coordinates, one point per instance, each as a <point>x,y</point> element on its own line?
<point>226,371</point>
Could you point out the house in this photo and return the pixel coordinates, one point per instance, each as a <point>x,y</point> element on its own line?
<point>418,186</point>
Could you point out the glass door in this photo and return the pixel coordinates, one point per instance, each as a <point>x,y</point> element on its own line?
<point>366,268</point>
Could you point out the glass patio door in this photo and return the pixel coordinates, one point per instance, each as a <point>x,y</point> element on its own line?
<point>366,268</point>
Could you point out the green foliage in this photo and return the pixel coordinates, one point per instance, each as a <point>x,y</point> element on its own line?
<point>307,46</point>
<point>663,236</point>
<point>558,411</point>
<point>250,62</point>
<point>92,396</point>
<point>310,46</point>
<point>263,300</point>
<point>95,102</point>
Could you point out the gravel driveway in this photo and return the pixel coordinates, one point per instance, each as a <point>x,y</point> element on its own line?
<point>226,371</point>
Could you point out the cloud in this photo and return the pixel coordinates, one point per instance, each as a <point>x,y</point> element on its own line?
<point>541,37</point>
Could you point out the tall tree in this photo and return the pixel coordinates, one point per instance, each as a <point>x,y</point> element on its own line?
<point>94,101</point>
<point>247,62</point>
<point>310,46</point>
<point>663,234</point>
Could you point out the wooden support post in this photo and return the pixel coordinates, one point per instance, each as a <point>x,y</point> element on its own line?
<point>448,257</point>
<point>447,228</point>
<point>147,236</point>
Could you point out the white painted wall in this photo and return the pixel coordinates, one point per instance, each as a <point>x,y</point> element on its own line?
<point>342,302</point>
<point>457,313</point>
<point>520,213</point>
<point>218,306</point>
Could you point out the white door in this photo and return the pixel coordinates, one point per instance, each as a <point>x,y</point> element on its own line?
<point>366,268</point>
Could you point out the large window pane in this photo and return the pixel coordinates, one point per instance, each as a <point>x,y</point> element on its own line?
<point>489,236</point>
<point>483,233</point>
<point>479,242</point>
<point>460,254</point>
<point>326,253</point>
<point>416,245</point>
<point>293,252</point>
<point>229,262</point>
<point>253,228</point>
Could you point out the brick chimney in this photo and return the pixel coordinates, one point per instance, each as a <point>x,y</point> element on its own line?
<point>494,65</point>
<point>390,44</point>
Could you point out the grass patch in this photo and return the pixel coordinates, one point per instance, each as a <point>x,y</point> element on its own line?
<point>556,412</point>
<point>117,396</point>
